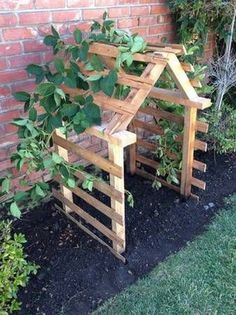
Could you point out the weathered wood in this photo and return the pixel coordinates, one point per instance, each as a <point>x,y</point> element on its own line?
<point>132,153</point>
<point>90,156</point>
<point>90,233</point>
<point>88,218</point>
<point>148,126</point>
<point>188,67</point>
<point>116,156</point>
<point>64,154</point>
<point>199,166</point>
<point>188,150</point>
<point>198,183</point>
<point>146,161</point>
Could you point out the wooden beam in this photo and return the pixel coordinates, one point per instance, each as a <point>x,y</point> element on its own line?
<point>90,156</point>
<point>116,156</point>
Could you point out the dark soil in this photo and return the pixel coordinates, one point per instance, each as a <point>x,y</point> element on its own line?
<point>77,274</point>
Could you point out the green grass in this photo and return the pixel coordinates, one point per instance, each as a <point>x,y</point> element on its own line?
<point>200,279</point>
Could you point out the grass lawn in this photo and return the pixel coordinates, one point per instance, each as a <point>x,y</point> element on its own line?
<point>200,279</point>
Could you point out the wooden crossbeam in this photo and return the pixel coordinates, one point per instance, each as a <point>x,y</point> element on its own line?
<point>90,156</point>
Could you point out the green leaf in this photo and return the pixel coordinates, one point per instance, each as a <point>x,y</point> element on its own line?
<point>94,77</point>
<point>69,110</point>
<point>6,185</point>
<point>138,45</point>
<point>22,96</point>
<point>34,69</point>
<point>71,182</point>
<point>107,84</point>
<point>54,32</point>
<point>55,122</point>
<point>92,114</point>
<point>39,191</point>
<point>15,211</point>
<point>83,52</point>
<point>64,171</point>
<point>45,89</point>
<point>77,36</point>
<point>96,63</point>
<point>49,103</point>
<point>50,40</point>
<point>33,114</point>
<point>57,158</point>
<point>59,65</point>
<point>20,122</point>
<point>20,196</point>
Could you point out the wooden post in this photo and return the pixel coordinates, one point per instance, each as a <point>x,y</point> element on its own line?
<point>116,155</point>
<point>63,153</point>
<point>190,118</point>
<point>132,151</point>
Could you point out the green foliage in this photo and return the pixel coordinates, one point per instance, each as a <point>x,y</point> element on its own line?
<point>14,268</point>
<point>222,131</point>
<point>63,111</point>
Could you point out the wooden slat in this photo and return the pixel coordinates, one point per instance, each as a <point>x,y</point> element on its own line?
<point>179,47</point>
<point>188,150</point>
<point>153,146</point>
<point>200,145</point>
<point>198,183</point>
<point>177,98</point>
<point>152,177</point>
<point>147,126</point>
<point>116,105</point>
<point>132,153</point>
<point>98,205</point>
<point>103,187</point>
<point>88,218</point>
<point>196,83</point>
<point>112,51</point>
<point>90,233</point>
<point>159,113</point>
<point>199,166</point>
<point>90,156</point>
<point>187,67</point>
<point>147,161</point>
<point>116,155</point>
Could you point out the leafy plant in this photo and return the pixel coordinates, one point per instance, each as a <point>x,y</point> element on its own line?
<point>14,268</point>
<point>49,107</point>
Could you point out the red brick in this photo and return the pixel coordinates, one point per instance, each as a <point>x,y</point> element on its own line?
<point>140,11</point>
<point>11,76</point>
<point>143,31</point>
<point>46,29</point>
<point>152,1</point>
<point>3,64</point>
<point>80,3</point>
<point>128,2</point>
<point>64,16</point>
<point>83,26</point>
<point>16,5</point>
<point>28,86</point>
<point>5,165</point>
<point>8,20</point>
<point>147,20</point>
<point>126,23</point>
<point>4,91</point>
<point>19,33</point>
<point>159,9</point>
<point>23,60</point>
<point>3,155</point>
<point>10,49</point>
<point>105,3</point>
<point>118,12</point>
<point>165,28</point>
<point>6,129</point>
<point>34,46</point>
<point>9,104</point>
<point>47,4</point>
<point>34,18</point>
<point>8,116</point>
<point>92,14</point>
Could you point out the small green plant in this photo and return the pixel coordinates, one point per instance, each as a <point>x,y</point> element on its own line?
<point>14,268</point>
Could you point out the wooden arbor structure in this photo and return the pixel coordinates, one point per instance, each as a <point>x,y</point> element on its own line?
<point>115,133</point>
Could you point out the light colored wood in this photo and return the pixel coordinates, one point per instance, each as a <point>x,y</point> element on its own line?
<point>90,156</point>
<point>116,156</point>
<point>109,212</point>
<point>188,150</point>
<point>181,50</point>
<point>188,67</point>
<point>199,166</point>
<point>146,161</point>
<point>198,183</point>
<point>122,138</point>
<point>200,145</point>
<point>90,233</point>
<point>177,98</point>
<point>103,187</point>
<point>196,83</point>
<point>88,218</point>
<point>148,126</point>
<point>153,177</point>
<point>132,153</point>
<point>151,146</point>
<point>64,154</point>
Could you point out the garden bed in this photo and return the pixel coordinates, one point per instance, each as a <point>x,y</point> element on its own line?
<point>77,274</point>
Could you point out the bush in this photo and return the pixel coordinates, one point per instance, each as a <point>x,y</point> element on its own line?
<point>14,268</point>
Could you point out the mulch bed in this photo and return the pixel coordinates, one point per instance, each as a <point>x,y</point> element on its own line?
<point>77,274</point>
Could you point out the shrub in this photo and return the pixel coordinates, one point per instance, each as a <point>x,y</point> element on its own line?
<point>14,268</point>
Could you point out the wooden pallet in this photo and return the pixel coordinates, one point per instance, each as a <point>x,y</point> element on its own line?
<point>157,59</point>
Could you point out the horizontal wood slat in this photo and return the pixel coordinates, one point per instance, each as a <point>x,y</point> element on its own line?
<point>198,183</point>
<point>147,126</point>
<point>177,98</point>
<point>147,161</point>
<point>103,187</point>
<point>88,218</point>
<point>90,233</point>
<point>109,212</point>
<point>199,166</point>
<point>90,156</point>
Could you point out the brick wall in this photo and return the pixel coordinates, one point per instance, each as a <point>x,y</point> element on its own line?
<point>23,23</point>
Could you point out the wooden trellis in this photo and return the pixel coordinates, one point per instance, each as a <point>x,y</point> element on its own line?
<point>115,133</point>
